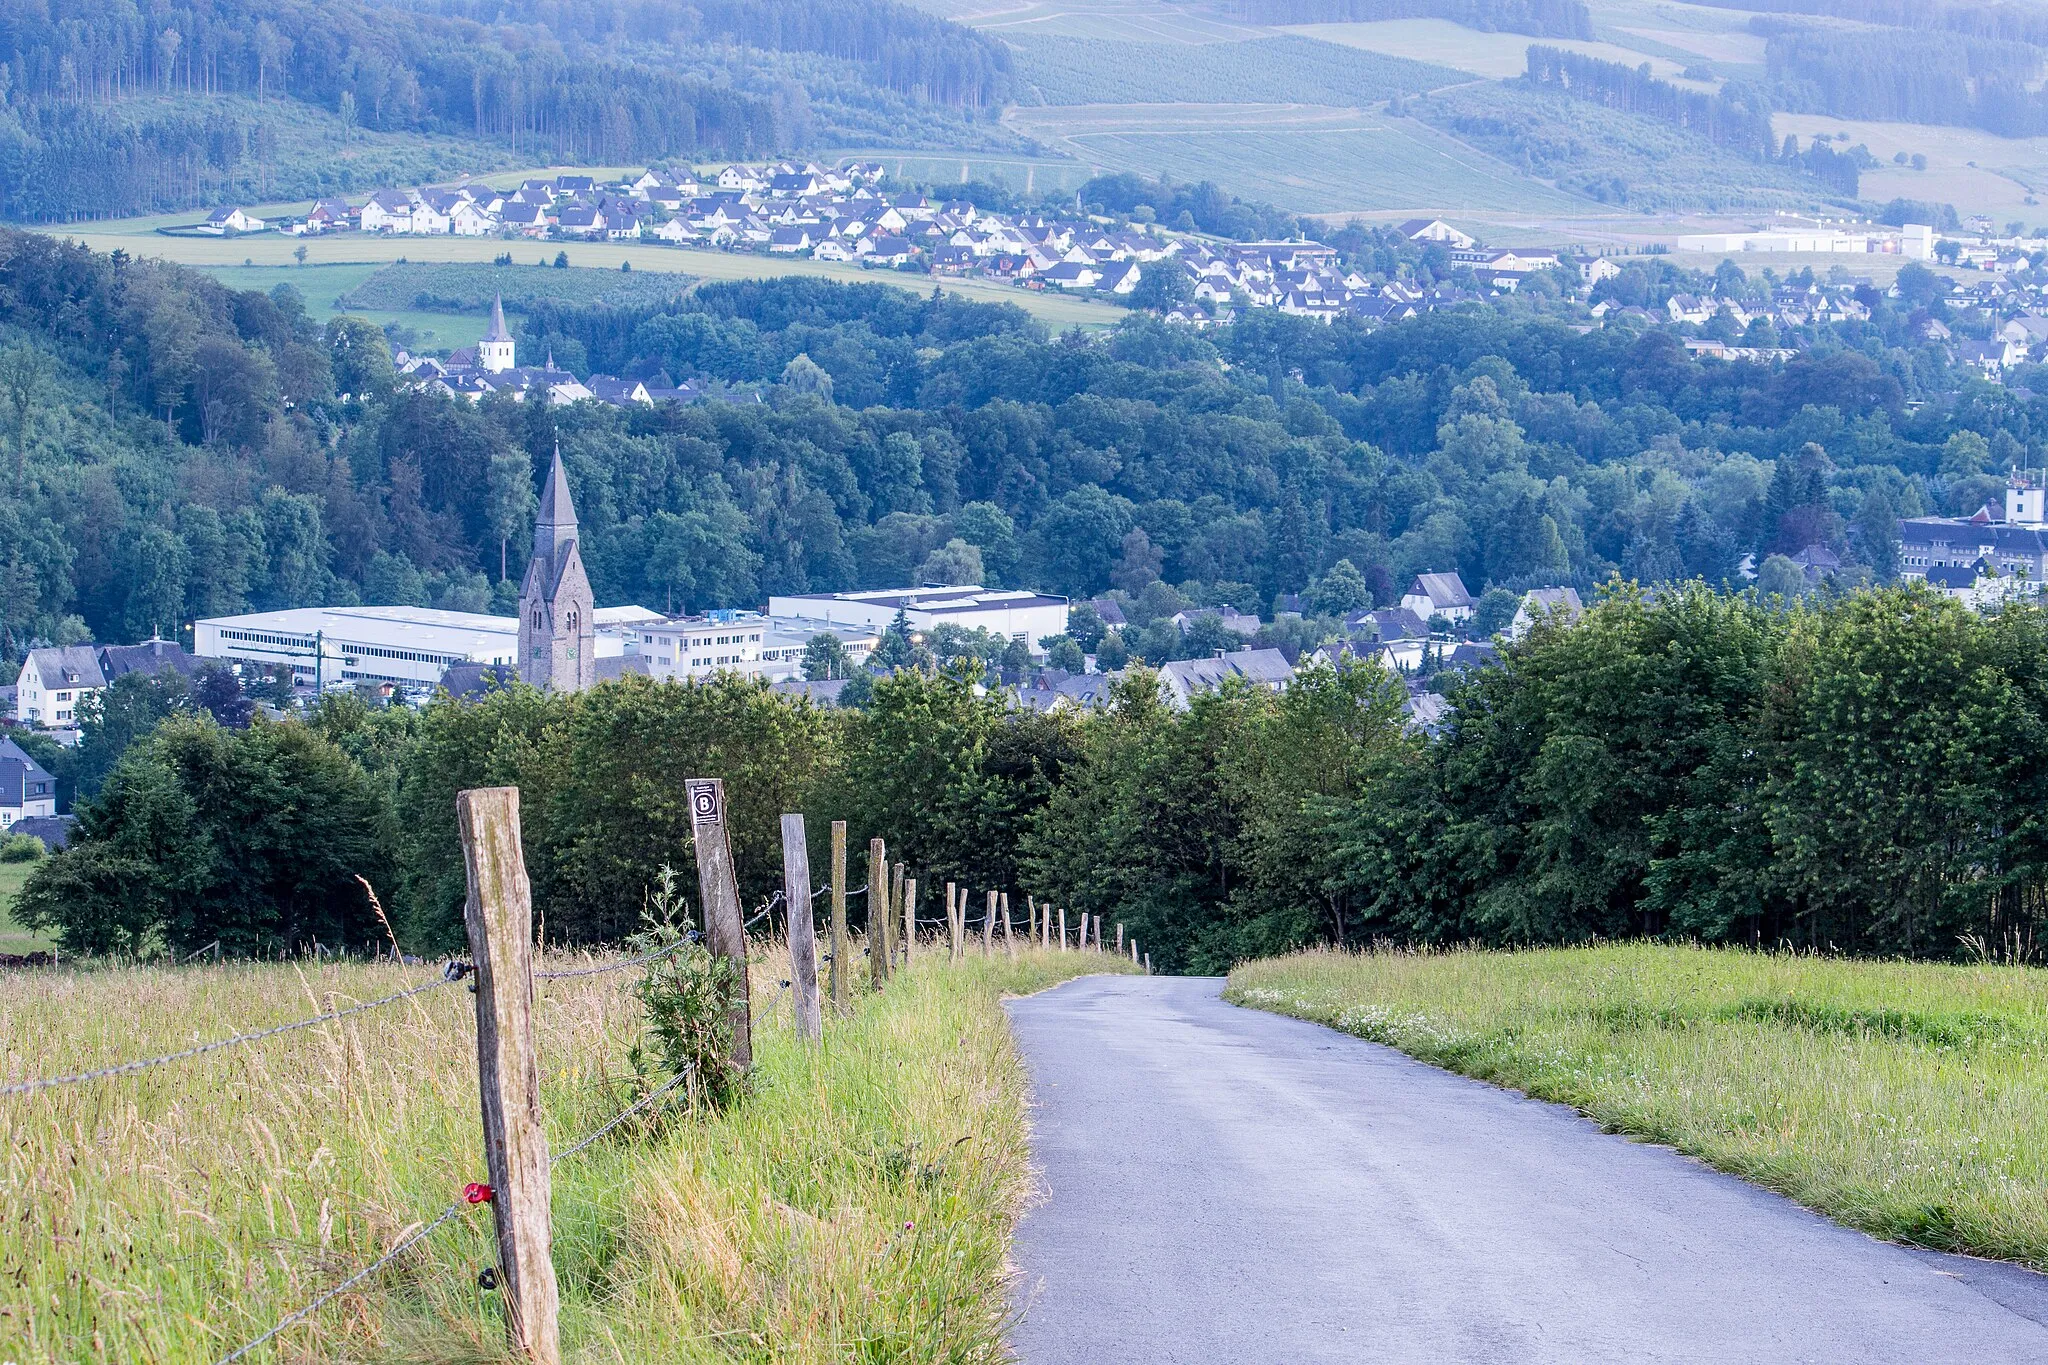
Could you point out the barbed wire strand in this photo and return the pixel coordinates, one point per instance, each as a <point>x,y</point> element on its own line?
<point>419,1233</point>
<point>649,1098</point>
<point>640,961</point>
<point>129,1068</point>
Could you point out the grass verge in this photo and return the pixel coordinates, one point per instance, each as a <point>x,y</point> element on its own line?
<point>857,1207</point>
<point>1905,1099</point>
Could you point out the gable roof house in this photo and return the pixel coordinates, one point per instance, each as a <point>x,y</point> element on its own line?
<point>52,683</point>
<point>386,211</point>
<point>231,219</point>
<point>27,790</point>
<point>1438,594</point>
<point>1181,681</point>
<point>1560,604</point>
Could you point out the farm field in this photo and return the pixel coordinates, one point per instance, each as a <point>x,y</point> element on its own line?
<point>1905,1099</point>
<point>1279,69</point>
<point>214,253</point>
<point>1140,21</point>
<point>14,938</point>
<point>1978,172</point>
<point>1307,158</point>
<point>1493,56</point>
<point>857,1206</point>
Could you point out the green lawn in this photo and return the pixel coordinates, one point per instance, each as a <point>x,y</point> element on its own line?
<point>14,938</point>
<point>1906,1099</point>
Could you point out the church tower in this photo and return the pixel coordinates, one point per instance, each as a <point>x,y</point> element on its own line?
<point>494,352</point>
<point>557,635</point>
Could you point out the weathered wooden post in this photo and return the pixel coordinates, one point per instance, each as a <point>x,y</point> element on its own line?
<point>1119,940</point>
<point>1063,928</point>
<point>1148,964</point>
<point>952,929</point>
<point>1009,940</point>
<point>988,926</point>
<point>1030,919</point>
<point>1134,950</point>
<point>896,950</point>
<point>842,981</point>
<point>725,924</point>
<point>909,917</point>
<point>803,935</point>
<point>878,912</point>
<point>499,918</point>
<point>1098,933</point>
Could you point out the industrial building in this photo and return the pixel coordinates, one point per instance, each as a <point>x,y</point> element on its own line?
<point>408,646</point>
<point>1010,613</point>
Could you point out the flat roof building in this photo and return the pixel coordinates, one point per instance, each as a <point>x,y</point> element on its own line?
<point>410,646</point>
<point>1011,613</point>
<point>741,642</point>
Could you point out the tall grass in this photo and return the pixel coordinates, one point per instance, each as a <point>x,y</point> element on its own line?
<point>1906,1099</point>
<point>856,1207</point>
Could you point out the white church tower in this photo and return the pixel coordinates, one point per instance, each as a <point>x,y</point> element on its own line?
<point>494,352</point>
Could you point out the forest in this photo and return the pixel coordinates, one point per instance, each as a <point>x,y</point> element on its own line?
<point>1906,75</point>
<point>177,449</point>
<point>105,111</point>
<point>1855,773</point>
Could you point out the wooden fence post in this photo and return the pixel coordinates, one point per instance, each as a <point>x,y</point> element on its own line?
<point>878,912</point>
<point>499,918</point>
<point>1030,919</point>
<point>896,950</point>
<point>725,924</point>
<point>803,935</point>
<point>909,917</point>
<point>1148,964</point>
<point>1009,940</point>
<point>1119,940</point>
<point>1063,928</point>
<point>952,928</point>
<point>1134,950</point>
<point>842,981</point>
<point>988,926</point>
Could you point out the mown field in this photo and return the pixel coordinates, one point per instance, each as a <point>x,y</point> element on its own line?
<point>1312,160</point>
<point>271,250</point>
<point>1279,69</point>
<point>1906,1099</point>
<point>14,938</point>
<point>453,287</point>
<point>857,1206</point>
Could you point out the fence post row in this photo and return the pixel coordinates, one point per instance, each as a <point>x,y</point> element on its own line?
<point>803,935</point>
<point>909,918</point>
<point>878,912</point>
<point>842,984</point>
<point>1009,942</point>
<point>499,917</point>
<point>896,898</point>
<point>1063,928</point>
<point>725,924</point>
<point>952,926</point>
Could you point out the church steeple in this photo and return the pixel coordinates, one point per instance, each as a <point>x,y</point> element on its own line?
<point>494,352</point>
<point>557,635</point>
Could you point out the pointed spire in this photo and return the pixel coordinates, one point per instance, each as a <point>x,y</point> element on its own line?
<point>556,509</point>
<point>497,330</point>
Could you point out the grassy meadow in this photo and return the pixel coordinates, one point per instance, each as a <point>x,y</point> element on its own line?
<point>14,938</point>
<point>857,1206</point>
<point>1906,1099</point>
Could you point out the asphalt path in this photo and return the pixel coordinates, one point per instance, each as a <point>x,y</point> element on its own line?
<point>1228,1185</point>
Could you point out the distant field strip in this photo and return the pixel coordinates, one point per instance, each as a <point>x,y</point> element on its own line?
<point>1497,56</point>
<point>1289,68</point>
<point>1906,1099</point>
<point>1144,21</point>
<point>456,287</point>
<point>1306,158</point>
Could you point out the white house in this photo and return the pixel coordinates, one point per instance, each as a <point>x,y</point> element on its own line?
<point>27,790</point>
<point>1180,681</point>
<point>387,211</point>
<point>1561,604</point>
<point>1010,613</point>
<point>225,220</point>
<point>1435,230</point>
<point>53,682</point>
<point>1438,594</point>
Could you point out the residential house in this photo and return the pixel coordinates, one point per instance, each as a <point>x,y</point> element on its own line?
<point>53,682</point>
<point>387,211</point>
<point>1538,604</point>
<point>1438,594</point>
<point>223,221</point>
<point>1229,618</point>
<point>1436,230</point>
<point>1181,681</point>
<point>27,789</point>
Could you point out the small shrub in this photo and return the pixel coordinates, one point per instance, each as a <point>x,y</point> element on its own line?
<point>689,997</point>
<point>22,848</point>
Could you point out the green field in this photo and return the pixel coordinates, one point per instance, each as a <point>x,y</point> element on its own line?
<point>14,938</point>
<point>351,249</point>
<point>452,287</point>
<point>1906,1099</point>
<point>857,1206</point>
<point>1285,69</point>
<point>1311,160</point>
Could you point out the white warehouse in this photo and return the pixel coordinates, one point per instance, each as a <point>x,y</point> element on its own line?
<point>1010,613</point>
<point>410,646</point>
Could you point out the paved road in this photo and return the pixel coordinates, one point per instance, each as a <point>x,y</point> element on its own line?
<point>1227,1185</point>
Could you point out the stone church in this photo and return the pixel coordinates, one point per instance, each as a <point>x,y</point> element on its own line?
<point>557,613</point>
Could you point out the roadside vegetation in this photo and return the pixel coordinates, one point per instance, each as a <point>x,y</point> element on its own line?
<point>1905,1099</point>
<point>856,1205</point>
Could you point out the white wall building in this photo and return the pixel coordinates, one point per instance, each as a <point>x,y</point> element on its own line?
<point>410,646</point>
<point>1010,613</point>
<point>53,682</point>
<point>745,642</point>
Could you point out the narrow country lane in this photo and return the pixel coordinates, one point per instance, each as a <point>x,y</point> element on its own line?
<point>1230,1186</point>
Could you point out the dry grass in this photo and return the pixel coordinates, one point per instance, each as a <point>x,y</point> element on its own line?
<point>1907,1099</point>
<point>857,1207</point>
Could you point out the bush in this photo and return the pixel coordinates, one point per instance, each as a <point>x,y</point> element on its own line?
<point>22,848</point>
<point>691,998</point>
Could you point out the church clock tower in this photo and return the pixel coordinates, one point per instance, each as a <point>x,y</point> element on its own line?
<point>557,635</point>
<point>494,352</point>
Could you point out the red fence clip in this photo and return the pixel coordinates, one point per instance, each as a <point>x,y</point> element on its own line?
<point>477,1194</point>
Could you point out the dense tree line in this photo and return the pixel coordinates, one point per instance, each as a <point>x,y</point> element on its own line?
<point>1200,207</point>
<point>1908,75</point>
<point>1539,18</point>
<point>1733,117</point>
<point>1857,774</point>
<point>173,449</point>
<point>2003,22</point>
<point>569,83</point>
